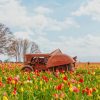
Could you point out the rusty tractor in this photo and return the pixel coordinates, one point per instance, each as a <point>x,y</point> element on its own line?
<point>53,61</point>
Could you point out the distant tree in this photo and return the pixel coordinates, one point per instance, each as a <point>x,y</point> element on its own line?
<point>13,49</point>
<point>20,47</point>
<point>34,48</point>
<point>5,38</point>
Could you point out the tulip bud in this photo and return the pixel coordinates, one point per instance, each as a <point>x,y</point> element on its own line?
<point>22,89</point>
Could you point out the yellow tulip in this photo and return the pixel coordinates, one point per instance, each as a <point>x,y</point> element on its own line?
<point>93,73</point>
<point>71,85</point>
<point>22,89</point>
<point>61,98</point>
<point>71,89</point>
<point>5,98</point>
<point>96,90</point>
<point>78,86</point>
<point>0,79</point>
<point>64,81</point>
<point>13,81</point>
<point>41,82</point>
<point>62,75</point>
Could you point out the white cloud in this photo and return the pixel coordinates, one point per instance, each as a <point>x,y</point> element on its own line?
<point>22,35</point>
<point>42,10</point>
<point>42,22</point>
<point>15,15</point>
<point>91,8</point>
<point>62,25</point>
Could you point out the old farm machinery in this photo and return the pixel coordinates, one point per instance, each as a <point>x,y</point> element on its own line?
<point>53,61</point>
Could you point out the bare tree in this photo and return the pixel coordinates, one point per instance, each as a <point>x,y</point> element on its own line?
<point>34,48</point>
<point>13,49</point>
<point>20,47</point>
<point>5,38</point>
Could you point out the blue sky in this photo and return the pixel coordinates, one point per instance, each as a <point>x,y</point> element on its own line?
<point>71,25</point>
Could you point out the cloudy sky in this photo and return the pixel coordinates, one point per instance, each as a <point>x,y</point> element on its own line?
<point>71,25</point>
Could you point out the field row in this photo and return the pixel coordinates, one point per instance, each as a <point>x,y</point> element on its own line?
<point>77,85</point>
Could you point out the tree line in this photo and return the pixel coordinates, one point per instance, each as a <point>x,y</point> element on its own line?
<point>15,47</point>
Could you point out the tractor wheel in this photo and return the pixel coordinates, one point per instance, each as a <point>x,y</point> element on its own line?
<point>27,69</point>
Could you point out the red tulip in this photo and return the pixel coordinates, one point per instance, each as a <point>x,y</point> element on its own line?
<point>94,89</point>
<point>45,78</point>
<point>59,87</point>
<point>88,91</point>
<point>65,78</point>
<point>56,96</point>
<point>87,88</point>
<point>9,79</point>
<point>83,91</point>
<point>75,89</point>
<point>73,81</point>
<point>14,91</point>
<point>16,79</point>
<point>1,84</point>
<point>81,80</point>
<point>68,83</point>
<point>89,72</point>
<point>29,78</point>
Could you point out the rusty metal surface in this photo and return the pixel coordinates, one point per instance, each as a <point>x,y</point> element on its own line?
<point>37,55</point>
<point>28,57</point>
<point>49,60</point>
<point>59,59</point>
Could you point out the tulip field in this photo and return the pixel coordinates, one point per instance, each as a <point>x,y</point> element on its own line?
<point>82,84</point>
